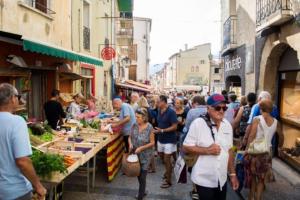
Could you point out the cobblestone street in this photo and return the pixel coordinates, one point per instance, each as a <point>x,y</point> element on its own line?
<point>124,188</point>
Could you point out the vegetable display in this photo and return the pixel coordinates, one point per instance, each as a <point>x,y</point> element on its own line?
<point>40,133</point>
<point>45,164</point>
<point>90,124</point>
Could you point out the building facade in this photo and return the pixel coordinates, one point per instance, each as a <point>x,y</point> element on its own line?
<point>216,82</point>
<point>36,54</point>
<point>141,40</point>
<point>92,31</point>
<point>193,66</point>
<point>238,44</point>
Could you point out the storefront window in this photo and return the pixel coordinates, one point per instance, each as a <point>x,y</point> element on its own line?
<point>290,98</point>
<point>87,84</point>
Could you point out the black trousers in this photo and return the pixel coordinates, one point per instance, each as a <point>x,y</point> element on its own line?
<point>142,184</point>
<point>206,193</point>
<point>125,139</point>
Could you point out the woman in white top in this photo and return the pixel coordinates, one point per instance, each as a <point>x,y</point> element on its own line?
<point>74,108</point>
<point>259,167</point>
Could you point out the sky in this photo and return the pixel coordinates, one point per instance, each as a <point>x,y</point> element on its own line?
<point>179,22</point>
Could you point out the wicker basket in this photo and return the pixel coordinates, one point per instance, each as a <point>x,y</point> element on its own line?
<point>131,169</point>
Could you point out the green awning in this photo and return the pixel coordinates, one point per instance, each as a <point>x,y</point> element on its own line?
<point>125,5</point>
<point>50,50</point>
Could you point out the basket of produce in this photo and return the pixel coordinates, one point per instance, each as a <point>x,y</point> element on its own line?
<point>131,165</point>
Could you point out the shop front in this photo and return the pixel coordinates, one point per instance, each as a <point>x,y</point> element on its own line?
<point>234,67</point>
<point>280,75</point>
<point>40,67</point>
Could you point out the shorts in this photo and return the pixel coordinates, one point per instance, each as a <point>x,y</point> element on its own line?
<point>168,148</point>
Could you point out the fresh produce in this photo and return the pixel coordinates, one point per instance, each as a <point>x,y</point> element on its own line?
<point>68,160</point>
<point>40,133</point>
<point>45,164</point>
<point>46,137</point>
<point>90,124</point>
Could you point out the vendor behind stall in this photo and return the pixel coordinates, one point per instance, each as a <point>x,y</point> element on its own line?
<point>53,110</point>
<point>74,108</point>
<point>91,103</point>
<point>127,119</point>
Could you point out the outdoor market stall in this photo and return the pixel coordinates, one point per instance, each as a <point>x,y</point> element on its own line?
<point>78,146</point>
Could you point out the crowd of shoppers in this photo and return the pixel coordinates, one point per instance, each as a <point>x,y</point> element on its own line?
<point>172,125</point>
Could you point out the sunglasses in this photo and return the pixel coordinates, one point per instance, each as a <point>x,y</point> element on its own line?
<point>18,96</point>
<point>219,108</point>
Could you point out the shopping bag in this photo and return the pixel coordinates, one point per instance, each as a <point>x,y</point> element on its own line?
<point>179,166</point>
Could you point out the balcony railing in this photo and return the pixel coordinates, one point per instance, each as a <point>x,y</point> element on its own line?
<point>273,12</point>
<point>86,38</point>
<point>229,33</point>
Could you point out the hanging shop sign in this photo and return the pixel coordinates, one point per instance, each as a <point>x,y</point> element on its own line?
<point>233,64</point>
<point>108,53</point>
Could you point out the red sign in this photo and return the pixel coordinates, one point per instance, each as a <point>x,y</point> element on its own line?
<point>108,53</point>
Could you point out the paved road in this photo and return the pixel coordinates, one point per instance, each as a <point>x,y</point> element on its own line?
<point>124,188</point>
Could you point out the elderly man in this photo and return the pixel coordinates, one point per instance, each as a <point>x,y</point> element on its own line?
<point>127,119</point>
<point>211,139</point>
<point>17,175</point>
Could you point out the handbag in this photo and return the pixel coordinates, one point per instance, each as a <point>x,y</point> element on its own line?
<point>130,169</point>
<point>179,167</point>
<point>260,145</point>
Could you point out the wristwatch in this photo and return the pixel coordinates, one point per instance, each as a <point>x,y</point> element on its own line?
<point>162,130</point>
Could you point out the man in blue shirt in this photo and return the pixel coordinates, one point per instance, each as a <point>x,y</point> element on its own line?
<point>166,131</point>
<point>127,119</point>
<point>17,175</point>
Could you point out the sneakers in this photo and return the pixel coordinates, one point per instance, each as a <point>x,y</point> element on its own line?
<point>194,195</point>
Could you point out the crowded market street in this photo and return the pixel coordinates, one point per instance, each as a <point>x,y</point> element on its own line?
<point>149,100</point>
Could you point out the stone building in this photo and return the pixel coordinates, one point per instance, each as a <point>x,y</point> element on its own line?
<point>238,41</point>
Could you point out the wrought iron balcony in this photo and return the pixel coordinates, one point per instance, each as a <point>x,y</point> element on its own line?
<point>229,34</point>
<point>272,12</point>
<point>86,38</point>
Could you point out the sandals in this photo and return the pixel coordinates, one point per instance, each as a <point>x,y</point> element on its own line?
<point>165,185</point>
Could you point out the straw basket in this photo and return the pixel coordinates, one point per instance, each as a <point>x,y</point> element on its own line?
<point>131,169</point>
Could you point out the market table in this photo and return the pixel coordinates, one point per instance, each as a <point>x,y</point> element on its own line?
<point>94,141</point>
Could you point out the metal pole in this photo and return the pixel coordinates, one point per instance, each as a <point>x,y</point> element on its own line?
<point>94,172</point>
<point>88,176</point>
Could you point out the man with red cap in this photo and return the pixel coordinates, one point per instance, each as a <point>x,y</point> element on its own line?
<point>210,138</point>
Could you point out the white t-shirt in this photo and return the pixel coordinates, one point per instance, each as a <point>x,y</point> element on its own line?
<point>74,109</point>
<point>210,170</point>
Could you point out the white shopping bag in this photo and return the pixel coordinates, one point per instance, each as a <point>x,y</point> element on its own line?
<point>178,167</point>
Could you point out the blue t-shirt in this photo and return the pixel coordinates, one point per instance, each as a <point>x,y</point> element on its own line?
<point>255,111</point>
<point>127,110</point>
<point>14,143</point>
<point>166,120</point>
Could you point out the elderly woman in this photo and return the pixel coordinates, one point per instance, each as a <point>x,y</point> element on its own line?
<point>259,167</point>
<point>141,142</point>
